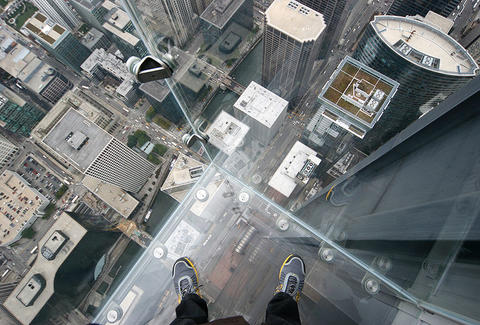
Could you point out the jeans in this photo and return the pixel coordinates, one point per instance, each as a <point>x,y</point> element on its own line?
<point>281,310</point>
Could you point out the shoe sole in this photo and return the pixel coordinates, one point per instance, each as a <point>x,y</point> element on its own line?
<point>190,263</point>
<point>289,257</point>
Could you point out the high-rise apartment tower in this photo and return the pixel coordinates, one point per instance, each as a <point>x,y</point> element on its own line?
<point>292,37</point>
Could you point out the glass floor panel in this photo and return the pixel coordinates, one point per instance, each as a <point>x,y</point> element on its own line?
<point>238,241</point>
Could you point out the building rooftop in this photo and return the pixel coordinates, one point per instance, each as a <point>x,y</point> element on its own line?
<point>37,74</point>
<point>14,57</point>
<point>126,87</point>
<point>184,173</point>
<point>111,64</point>
<point>114,196</point>
<point>13,97</point>
<point>424,45</point>
<point>45,29</point>
<point>219,12</point>
<point>53,245</point>
<point>31,290</point>
<point>19,203</point>
<point>116,22</point>
<point>296,20</point>
<point>91,38</point>
<point>127,37</point>
<point>227,133</point>
<point>261,104</point>
<point>191,75</point>
<point>108,62</point>
<point>297,167</point>
<point>3,100</point>
<point>155,89</point>
<point>100,114</point>
<point>23,64</point>
<point>356,96</point>
<point>47,269</point>
<point>96,139</point>
<point>116,16</point>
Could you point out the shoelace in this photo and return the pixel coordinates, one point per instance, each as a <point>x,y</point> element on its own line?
<point>185,287</point>
<point>292,284</point>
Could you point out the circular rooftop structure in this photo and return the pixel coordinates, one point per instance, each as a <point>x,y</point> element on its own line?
<point>425,45</point>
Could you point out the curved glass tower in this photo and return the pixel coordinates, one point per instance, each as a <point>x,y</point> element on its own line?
<point>423,58</point>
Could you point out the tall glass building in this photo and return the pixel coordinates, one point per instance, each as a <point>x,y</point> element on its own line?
<point>409,210</point>
<point>425,60</point>
<point>182,20</point>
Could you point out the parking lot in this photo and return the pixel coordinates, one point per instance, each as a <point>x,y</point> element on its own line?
<point>45,182</point>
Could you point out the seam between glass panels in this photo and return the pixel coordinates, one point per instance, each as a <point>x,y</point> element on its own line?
<point>423,305</point>
<point>355,260</point>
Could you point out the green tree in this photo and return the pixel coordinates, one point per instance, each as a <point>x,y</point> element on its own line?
<point>28,233</point>
<point>142,137</point>
<point>132,141</point>
<point>153,159</point>
<point>150,114</point>
<point>61,191</point>
<point>162,122</point>
<point>49,210</point>
<point>160,149</point>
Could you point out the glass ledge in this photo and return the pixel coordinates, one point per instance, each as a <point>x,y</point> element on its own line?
<point>238,241</point>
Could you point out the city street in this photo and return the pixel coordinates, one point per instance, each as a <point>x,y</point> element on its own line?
<point>463,16</point>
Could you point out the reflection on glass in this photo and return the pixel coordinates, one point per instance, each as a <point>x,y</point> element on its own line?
<point>284,112</point>
<point>324,128</point>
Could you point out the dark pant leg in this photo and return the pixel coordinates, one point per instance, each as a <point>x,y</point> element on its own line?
<point>282,310</point>
<point>192,310</point>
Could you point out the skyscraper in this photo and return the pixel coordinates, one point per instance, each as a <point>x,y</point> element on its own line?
<point>57,40</point>
<point>120,29</point>
<point>421,7</point>
<point>292,37</point>
<point>263,111</point>
<point>92,151</point>
<point>351,103</point>
<point>59,11</point>
<point>427,62</point>
<point>181,17</point>
<point>91,11</point>
<point>414,204</point>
